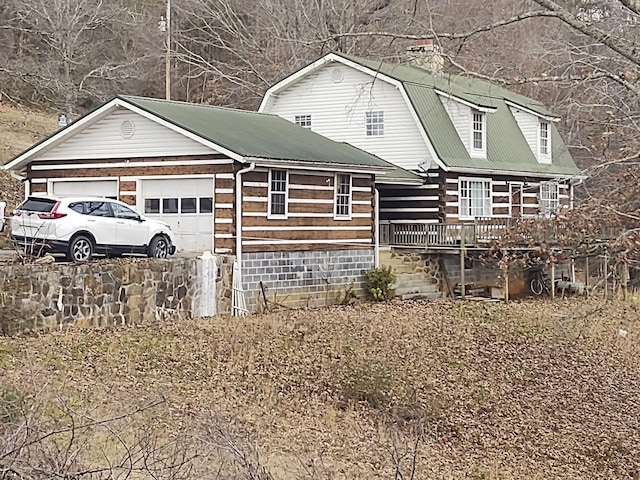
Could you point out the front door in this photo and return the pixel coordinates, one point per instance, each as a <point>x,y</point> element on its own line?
<point>515,199</point>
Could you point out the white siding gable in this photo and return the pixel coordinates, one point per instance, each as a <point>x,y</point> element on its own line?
<point>460,116</point>
<point>104,139</point>
<point>338,97</point>
<point>530,127</point>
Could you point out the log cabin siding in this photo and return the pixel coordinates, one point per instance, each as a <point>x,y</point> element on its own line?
<point>501,195</point>
<point>438,200</point>
<point>310,223</point>
<point>411,204</point>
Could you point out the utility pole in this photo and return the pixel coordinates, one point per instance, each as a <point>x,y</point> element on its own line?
<point>167,78</point>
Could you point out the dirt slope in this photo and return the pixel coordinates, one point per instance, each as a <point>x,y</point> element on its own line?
<point>466,390</point>
<point>19,129</point>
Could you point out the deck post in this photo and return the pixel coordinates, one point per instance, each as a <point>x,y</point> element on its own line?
<point>606,273</point>
<point>552,287</point>
<point>462,279</point>
<point>506,285</point>
<point>587,274</point>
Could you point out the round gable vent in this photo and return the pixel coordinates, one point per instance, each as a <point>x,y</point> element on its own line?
<point>127,129</point>
<point>337,75</point>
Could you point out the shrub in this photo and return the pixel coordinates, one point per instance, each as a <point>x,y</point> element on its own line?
<point>379,281</point>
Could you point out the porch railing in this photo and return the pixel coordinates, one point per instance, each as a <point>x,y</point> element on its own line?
<point>443,234</point>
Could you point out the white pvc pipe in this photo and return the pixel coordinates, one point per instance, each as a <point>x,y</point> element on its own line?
<point>376,228</point>
<point>239,216</point>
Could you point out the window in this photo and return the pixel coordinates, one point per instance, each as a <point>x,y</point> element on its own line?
<point>151,205</point>
<point>549,198</point>
<point>99,209</point>
<point>374,122</point>
<point>169,205</point>
<point>188,205</point>
<point>475,198</point>
<point>206,204</point>
<point>278,193</point>
<point>159,206</point>
<point>545,142</point>
<point>303,120</point>
<point>478,133</point>
<point>121,211</point>
<point>77,207</point>
<point>343,196</point>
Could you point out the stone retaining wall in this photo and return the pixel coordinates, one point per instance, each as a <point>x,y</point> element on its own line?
<point>109,292</point>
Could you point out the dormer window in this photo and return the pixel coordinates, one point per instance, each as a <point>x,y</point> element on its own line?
<point>544,142</point>
<point>478,134</point>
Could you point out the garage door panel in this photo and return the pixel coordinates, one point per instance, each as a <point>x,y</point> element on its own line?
<point>186,205</point>
<point>95,188</point>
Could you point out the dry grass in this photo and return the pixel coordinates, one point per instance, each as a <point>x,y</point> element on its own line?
<point>525,390</point>
<point>19,129</point>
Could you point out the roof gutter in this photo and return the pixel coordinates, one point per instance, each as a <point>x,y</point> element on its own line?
<point>313,165</point>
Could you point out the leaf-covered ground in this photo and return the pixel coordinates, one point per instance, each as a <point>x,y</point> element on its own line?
<point>531,389</point>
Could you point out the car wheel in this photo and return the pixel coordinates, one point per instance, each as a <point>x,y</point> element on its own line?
<point>159,247</point>
<point>81,249</point>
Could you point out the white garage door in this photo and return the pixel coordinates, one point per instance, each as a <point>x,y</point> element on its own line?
<point>95,188</point>
<point>186,205</point>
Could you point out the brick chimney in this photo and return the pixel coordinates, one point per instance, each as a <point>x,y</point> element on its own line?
<point>426,54</point>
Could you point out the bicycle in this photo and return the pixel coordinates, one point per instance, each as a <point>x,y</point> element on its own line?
<point>539,281</point>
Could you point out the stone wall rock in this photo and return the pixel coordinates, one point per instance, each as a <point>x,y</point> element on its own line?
<point>56,296</point>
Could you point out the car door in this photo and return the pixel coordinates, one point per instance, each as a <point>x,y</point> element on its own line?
<point>130,230</point>
<point>101,222</point>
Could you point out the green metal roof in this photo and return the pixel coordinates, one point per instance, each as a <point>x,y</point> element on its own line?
<point>256,135</point>
<point>507,148</point>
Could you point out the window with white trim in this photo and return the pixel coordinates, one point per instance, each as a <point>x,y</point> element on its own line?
<point>474,198</point>
<point>549,198</point>
<point>278,180</point>
<point>343,197</point>
<point>478,133</point>
<point>374,122</point>
<point>544,141</point>
<point>303,120</point>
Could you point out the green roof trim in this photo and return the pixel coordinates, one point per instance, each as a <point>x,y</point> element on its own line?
<point>507,148</point>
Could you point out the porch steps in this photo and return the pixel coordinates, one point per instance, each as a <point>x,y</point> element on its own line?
<point>416,286</point>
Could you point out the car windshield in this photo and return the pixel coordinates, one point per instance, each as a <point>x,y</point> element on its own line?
<point>44,205</point>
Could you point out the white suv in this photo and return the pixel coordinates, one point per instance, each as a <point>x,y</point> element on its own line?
<point>78,227</point>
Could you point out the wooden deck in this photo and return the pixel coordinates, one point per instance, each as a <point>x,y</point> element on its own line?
<point>478,233</point>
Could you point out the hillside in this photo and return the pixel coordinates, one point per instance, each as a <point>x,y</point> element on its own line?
<point>19,129</point>
<point>441,389</point>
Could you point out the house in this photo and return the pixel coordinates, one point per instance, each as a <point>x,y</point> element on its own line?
<point>296,209</point>
<point>483,151</point>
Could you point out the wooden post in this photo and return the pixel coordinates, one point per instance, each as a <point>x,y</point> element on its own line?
<point>606,274</point>
<point>625,282</point>
<point>587,274</point>
<point>462,254</point>
<point>506,286</point>
<point>552,287</point>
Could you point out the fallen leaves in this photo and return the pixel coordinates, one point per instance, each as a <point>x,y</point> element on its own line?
<point>524,390</point>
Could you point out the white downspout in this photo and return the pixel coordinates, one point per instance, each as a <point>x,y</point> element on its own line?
<point>239,216</point>
<point>376,226</point>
